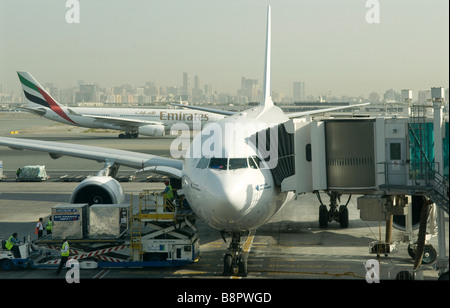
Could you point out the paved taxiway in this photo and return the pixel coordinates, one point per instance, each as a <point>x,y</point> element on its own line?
<point>291,245</point>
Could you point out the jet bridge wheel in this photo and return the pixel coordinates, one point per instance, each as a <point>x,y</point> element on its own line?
<point>429,253</point>
<point>323,216</point>
<point>336,212</point>
<point>343,216</point>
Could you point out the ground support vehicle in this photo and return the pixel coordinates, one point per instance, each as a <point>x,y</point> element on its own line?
<point>158,234</point>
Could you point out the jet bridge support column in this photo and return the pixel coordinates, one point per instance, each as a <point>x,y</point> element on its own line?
<point>437,95</point>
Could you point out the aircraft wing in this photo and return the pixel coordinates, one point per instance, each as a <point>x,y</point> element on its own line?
<point>168,166</point>
<point>290,115</point>
<point>310,112</point>
<point>122,121</point>
<point>212,110</point>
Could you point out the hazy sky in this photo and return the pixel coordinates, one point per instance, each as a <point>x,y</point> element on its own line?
<point>327,44</point>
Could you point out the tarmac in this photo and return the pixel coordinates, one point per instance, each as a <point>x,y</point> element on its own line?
<point>290,246</point>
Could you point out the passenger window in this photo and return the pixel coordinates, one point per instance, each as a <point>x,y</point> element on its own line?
<point>238,163</point>
<point>218,163</point>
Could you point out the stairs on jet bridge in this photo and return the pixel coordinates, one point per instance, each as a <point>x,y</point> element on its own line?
<point>439,194</point>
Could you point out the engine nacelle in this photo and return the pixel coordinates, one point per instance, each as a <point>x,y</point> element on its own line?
<point>98,190</point>
<point>417,202</point>
<point>152,130</point>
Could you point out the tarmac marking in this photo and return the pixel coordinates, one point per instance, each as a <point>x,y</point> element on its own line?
<point>248,242</point>
<point>102,274</point>
<point>275,273</point>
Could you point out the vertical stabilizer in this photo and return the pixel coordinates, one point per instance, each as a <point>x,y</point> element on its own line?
<point>36,94</point>
<point>267,99</point>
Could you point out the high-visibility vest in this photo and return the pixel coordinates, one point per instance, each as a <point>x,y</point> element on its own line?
<point>48,227</point>
<point>65,254</point>
<point>169,193</point>
<point>9,244</point>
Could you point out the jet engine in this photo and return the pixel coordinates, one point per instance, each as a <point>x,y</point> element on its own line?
<point>399,220</point>
<point>98,190</point>
<point>152,130</point>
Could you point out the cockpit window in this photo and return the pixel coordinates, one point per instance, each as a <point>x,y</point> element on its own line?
<point>229,164</point>
<point>203,163</point>
<point>218,163</point>
<point>254,162</point>
<point>238,163</point>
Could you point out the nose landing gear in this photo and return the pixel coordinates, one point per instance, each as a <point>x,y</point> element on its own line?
<point>234,261</point>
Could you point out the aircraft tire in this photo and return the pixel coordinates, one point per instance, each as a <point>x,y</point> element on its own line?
<point>227,264</point>
<point>243,267</point>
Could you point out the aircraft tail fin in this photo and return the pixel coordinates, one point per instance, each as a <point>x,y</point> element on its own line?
<point>267,97</point>
<point>36,94</point>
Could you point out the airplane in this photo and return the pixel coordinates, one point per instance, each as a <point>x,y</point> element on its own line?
<point>149,122</point>
<point>226,179</point>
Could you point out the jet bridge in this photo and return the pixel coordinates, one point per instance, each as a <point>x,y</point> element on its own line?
<point>398,165</point>
<point>366,156</point>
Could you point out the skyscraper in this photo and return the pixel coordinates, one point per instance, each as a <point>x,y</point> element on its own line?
<point>249,88</point>
<point>186,84</point>
<point>299,91</point>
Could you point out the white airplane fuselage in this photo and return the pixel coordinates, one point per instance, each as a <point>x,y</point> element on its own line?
<point>233,198</point>
<point>80,116</point>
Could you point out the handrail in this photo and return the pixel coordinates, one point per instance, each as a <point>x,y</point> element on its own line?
<point>415,174</point>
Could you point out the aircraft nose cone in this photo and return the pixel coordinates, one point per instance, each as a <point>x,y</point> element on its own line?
<point>232,194</point>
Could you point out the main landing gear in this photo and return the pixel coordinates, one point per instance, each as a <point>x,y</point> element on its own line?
<point>234,260</point>
<point>339,214</point>
<point>129,135</point>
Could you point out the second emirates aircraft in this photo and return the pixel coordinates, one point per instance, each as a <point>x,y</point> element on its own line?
<point>133,121</point>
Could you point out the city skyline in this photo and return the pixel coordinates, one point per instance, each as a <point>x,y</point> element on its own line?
<point>329,46</point>
<point>195,92</point>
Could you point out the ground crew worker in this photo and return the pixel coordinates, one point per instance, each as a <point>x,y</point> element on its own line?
<point>49,225</point>
<point>168,193</point>
<point>12,245</point>
<point>39,228</point>
<point>18,172</point>
<point>64,256</point>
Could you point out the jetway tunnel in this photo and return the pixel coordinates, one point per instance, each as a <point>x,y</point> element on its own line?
<point>373,157</point>
<point>397,165</point>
